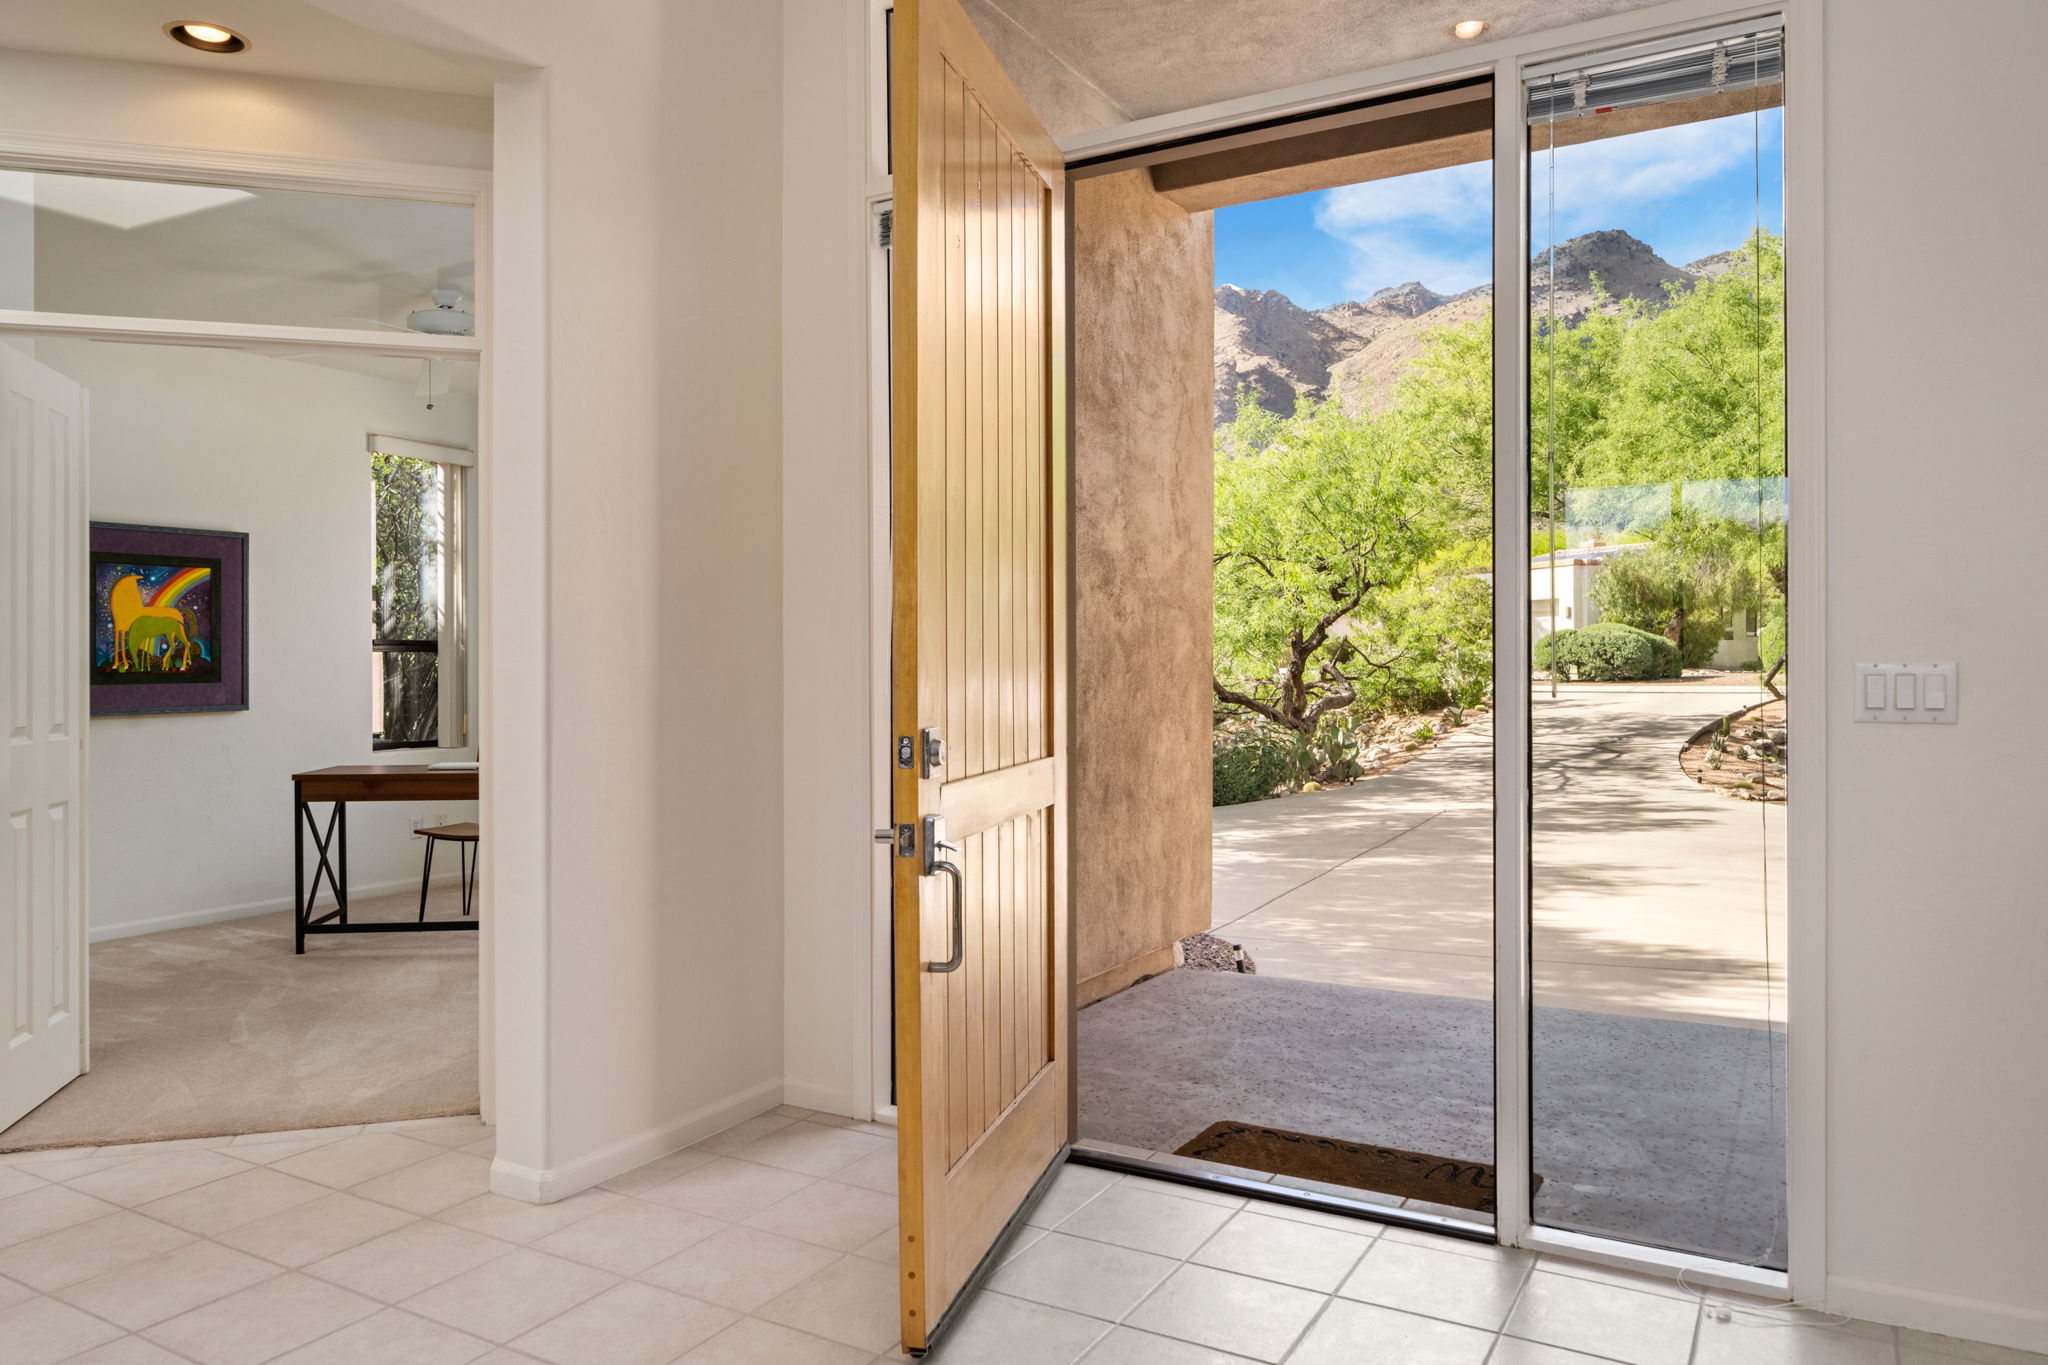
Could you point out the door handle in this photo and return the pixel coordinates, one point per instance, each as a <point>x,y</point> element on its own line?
<point>934,844</point>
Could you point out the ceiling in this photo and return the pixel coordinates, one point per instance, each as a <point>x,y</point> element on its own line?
<point>286,38</point>
<point>1151,57</point>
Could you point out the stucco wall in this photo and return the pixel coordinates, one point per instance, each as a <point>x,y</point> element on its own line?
<point>1143,532</point>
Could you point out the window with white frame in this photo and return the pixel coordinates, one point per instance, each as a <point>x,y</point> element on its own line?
<point>417,593</point>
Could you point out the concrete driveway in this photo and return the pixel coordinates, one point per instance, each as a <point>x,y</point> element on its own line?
<point>1652,895</point>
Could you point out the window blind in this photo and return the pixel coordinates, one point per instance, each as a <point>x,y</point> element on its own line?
<point>1740,61</point>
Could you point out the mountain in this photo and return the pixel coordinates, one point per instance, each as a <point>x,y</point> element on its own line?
<point>1285,352</point>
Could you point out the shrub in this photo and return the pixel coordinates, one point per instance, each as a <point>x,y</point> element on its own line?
<point>1247,764</point>
<point>1770,640</point>
<point>1608,651</point>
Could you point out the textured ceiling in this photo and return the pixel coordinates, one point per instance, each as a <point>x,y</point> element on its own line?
<point>286,38</point>
<point>1138,58</point>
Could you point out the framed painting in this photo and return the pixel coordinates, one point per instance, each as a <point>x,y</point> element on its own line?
<point>170,620</point>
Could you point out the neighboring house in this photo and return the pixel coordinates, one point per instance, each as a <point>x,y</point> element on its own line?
<point>1561,598</point>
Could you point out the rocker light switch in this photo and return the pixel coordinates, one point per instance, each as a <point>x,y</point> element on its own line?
<point>1906,693</point>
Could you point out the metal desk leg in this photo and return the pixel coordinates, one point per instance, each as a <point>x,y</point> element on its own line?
<point>299,907</point>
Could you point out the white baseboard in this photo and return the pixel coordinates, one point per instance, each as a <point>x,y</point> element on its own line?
<point>186,919</point>
<point>824,1096</point>
<point>537,1186</point>
<point>1951,1315</point>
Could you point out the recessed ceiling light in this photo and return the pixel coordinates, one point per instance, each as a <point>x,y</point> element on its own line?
<point>1468,28</point>
<point>205,37</point>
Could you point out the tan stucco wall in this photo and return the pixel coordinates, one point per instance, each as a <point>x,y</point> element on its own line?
<point>1143,536</point>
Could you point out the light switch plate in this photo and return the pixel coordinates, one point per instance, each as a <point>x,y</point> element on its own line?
<point>1906,693</point>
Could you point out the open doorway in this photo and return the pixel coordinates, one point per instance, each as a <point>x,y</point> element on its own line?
<point>272,575</point>
<point>1315,1015</point>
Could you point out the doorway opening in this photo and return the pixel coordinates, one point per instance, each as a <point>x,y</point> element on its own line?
<point>267,570</point>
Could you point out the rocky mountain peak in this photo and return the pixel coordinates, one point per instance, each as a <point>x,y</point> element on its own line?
<point>1626,266</point>
<point>1409,300</point>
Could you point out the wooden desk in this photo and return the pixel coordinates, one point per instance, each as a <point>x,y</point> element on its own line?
<point>360,782</point>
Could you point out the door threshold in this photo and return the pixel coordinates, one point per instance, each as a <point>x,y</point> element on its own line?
<point>1281,1194</point>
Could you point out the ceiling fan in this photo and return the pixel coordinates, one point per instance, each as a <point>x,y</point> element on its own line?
<point>444,319</point>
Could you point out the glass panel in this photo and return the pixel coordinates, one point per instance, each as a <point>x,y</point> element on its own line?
<point>156,249</point>
<point>1657,597</point>
<point>410,500</point>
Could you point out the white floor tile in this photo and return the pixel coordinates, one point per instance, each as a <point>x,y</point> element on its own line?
<point>876,1171</point>
<point>1605,1320</point>
<point>43,1331</point>
<point>1758,1339</point>
<point>1349,1332</point>
<point>659,1171</point>
<point>1301,1254</point>
<point>1146,1221</point>
<point>1233,1313</point>
<point>630,1236</point>
<point>1129,1346</point>
<point>1438,1284</point>
<point>1092,1278</point>
<point>1933,1344</point>
<point>439,1182</point>
<point>813,1149</point>
<point>27,1216</point>
<point>408,1260</point>
<point>999,1330</point>
<point>629,1324</point>
<point>511,1295</point>
<point>154,1176</point>
<point>392,1337</point>
<point>69,1255</point>
<point>261,1322</point>
<point>728,1190</point>
<point>353,1160</point>
<point>852,1301</point>
<point>253,1192</point>
<point>513,1220</point>
<point>744,1132</point>
<point>300,1236</point>
<point>741,1268</point>
<point>1071,1188</point>
<point>1516,1351</point>
<point>128,1351</point>
<point>167,1284</point>
<point>751,1341</point>
<point>295,1135</point>
<point>18,1180</point>
<point>838,1216</point>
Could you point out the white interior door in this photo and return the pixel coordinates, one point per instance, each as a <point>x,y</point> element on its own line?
<point>42,692</point>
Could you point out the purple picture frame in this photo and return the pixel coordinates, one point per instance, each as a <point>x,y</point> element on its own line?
<point>198,657</point>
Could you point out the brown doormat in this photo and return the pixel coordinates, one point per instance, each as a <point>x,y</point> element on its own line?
<point>1362,1166</point>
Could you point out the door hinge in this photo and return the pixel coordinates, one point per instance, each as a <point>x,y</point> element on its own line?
<point>885,225</point>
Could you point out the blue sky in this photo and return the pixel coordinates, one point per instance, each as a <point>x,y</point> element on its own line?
<point>1688,191</point>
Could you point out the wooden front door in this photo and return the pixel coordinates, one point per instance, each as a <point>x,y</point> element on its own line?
<point>983,981</point>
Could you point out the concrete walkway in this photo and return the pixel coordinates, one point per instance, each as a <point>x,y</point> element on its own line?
<point>1652,895</point>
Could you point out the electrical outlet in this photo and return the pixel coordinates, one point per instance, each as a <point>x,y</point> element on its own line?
<point>416,824</point>
<point>440,817</point>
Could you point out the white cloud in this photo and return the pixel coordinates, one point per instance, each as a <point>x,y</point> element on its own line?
<point>1613,181</point>
<point>1434,227</point>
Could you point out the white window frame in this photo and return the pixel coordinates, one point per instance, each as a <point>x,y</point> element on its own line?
<point>457,577</point>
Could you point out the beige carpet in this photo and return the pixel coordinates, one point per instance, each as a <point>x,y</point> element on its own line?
<point>221,1029</point>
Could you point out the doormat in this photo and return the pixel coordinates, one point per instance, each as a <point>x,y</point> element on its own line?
<point>1362,1166</point>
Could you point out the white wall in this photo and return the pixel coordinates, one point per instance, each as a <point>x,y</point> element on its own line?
<point>1938,916</point>
<point>84,97</point>
<point>635,431</point>
<point>189,815</point>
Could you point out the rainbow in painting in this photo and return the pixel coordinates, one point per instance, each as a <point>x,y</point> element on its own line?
<point>155,618</point>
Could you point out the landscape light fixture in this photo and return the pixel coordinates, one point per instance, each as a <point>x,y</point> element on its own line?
<point>205,37</point>
<point>1468,28</point>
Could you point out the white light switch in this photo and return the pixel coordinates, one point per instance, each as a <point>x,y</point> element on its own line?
<point>1906,693</point>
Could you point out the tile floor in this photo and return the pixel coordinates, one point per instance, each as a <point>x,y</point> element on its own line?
<point>773,1243</point>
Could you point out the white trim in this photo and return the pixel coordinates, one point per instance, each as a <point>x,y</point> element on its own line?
<point>1706,1272</point>
<point>243,170</point>
<point>236,335</point>
<point>1480,59</point>
<point>433,452</point>
<point>881,1012</point>
<point>546,1185</point>
<point>1809,689</point>
<point>1951,1315</point>
<point>219,914</point>
<point>1512,720</point>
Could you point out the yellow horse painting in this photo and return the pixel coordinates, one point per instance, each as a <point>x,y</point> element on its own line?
<point>140,623</point>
